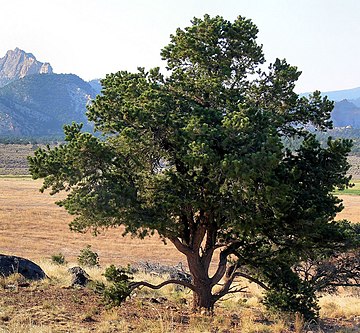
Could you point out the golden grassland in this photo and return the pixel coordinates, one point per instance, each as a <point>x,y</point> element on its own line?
<point>32,226</point>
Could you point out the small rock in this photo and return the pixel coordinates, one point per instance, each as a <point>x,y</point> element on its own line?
<point>88,319</point>
<point>154,300</point>
<point>79,277</point>
<point>171,307</point>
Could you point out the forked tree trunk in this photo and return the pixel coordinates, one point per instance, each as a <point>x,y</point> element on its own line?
<point>199,260</point>
<point>202,295</point>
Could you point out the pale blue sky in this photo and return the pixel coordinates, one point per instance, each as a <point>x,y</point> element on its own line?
<point>93,37</point>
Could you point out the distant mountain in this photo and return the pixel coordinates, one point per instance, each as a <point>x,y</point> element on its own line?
<point>36,102</point>
<point>346,110</point>
<point>339,95</point>
<point>40,104</point>
<point>17,64</point>
<point>346,113</point>
<point>356,101</point>
<point>96,85</point>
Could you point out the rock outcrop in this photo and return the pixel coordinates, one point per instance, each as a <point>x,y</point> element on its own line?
<point>17,64</point>
<point>11,264</point>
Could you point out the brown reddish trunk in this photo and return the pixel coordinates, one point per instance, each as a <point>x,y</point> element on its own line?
<point>199,258</point>
<point>203,299</point>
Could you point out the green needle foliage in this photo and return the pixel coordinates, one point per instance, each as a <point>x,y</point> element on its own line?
<point>120,289</point>
<point>198,157</point>
<point>88,257</point>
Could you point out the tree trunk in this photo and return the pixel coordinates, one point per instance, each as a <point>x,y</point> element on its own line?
<point>202,293</point>
<point>199,265</point>
<point>203,299</point>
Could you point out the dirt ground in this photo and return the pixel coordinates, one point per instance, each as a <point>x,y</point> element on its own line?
<point>48,308</point>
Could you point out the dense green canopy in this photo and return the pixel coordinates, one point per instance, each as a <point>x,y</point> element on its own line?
<point>199,157</point>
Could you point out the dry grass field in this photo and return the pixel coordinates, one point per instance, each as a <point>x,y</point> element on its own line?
<point>13,158</point>
<point>52,306</point>
<point>32,226</point>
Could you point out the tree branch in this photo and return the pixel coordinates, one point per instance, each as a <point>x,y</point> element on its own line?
<point>134,285</point>
<point>347,284</point>
<point>209,245</point>
<point>198,236</point>
<point>180,246</point>
<point>230,276</point>
<point>252,279</point>
<point>220,272</point>
<point>235,291</point>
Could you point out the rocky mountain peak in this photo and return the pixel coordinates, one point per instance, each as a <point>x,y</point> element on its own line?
<point>17,64</point>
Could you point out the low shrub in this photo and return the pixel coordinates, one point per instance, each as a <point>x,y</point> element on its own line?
<point>59,259</point>
<point>88,257</point>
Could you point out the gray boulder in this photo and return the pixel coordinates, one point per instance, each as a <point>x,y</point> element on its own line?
<point>79,277</point>
<point>12,264</point>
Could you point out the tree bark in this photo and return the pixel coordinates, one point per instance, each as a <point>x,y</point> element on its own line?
<point>203,299</point>
<point>199,259</point>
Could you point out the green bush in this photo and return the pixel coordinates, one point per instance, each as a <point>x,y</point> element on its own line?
<point>59,259</point>
<point>116,294</point>
<point>119,289</point>
<point>88,258</point>
<point>288,293</point>
<point>118,274</point>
